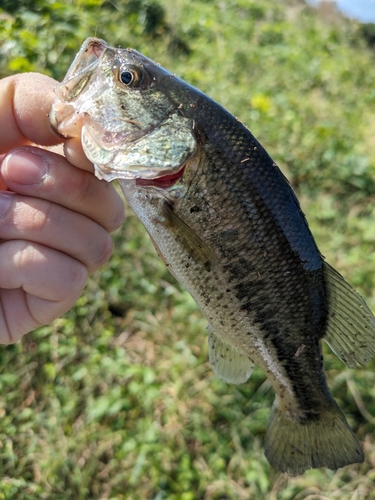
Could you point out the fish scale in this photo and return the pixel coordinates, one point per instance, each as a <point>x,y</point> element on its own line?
<point>253,294</point>
<point>229,227</point>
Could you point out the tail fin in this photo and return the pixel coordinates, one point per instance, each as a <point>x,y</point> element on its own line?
<point>293,446</point>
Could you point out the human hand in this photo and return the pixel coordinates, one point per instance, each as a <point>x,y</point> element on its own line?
<point>55,218</point>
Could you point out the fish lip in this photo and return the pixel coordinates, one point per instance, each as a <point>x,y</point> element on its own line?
<point>146,182</point>
<point>78,76</point>
<point>54,122</point>
<point>61,117</point>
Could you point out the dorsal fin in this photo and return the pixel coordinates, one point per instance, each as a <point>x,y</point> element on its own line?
<point>350,329</point>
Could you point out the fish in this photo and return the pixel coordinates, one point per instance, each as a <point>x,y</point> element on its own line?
<point>229,227</point>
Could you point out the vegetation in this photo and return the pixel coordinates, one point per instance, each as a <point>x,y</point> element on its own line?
<point>116,400</point>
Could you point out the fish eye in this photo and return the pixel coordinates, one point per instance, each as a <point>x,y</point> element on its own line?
<point>130,76</point>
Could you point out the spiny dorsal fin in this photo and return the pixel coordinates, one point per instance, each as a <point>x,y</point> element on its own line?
<point>227,362</point>
<point>350,330</point>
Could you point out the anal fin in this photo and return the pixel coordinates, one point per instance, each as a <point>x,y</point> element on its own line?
<point>227,362</point>
<point>350,330</point>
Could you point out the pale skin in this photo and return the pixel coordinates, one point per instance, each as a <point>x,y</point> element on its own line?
<point>55,215</point>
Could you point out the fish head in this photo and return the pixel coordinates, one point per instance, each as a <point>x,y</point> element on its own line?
<point>127,111</point>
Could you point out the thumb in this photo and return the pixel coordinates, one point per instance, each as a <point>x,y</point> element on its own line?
<point>25,102</point>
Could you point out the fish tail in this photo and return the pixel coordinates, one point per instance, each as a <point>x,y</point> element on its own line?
<point>295,445</point>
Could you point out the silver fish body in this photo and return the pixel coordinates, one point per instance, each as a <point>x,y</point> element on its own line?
<point>229,227</point>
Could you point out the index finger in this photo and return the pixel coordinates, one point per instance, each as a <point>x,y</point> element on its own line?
<point>25,102</point>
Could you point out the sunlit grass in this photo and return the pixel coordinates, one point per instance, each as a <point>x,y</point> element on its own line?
<point>125,405</point>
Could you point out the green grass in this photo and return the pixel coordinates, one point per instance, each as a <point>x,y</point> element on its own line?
<point>116,400</point>
<point>125,405</point>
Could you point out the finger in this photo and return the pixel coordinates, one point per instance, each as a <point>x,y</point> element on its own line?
<point>25,102</point>
<point>3,186</point>
<point>75,155</point>
<point>37,285</point>
<point>43,222</point>
<point>36,172</point>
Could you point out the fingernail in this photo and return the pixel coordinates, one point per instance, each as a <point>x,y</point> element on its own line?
<point>5,202</point>
<point>25,167</point>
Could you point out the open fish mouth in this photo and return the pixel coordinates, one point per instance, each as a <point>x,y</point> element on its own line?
<point>95,104</point>
<point>65,116</point>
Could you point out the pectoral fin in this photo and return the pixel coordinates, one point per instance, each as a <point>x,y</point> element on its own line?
<point>350,323</point>
<point>188,238</point>
<point>227,362</point>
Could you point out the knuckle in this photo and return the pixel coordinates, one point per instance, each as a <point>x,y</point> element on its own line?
<point>71,283</point>
<point>23,253</point>
<point>104,251</point>
<point>118,216</point>
<point>77,277</point>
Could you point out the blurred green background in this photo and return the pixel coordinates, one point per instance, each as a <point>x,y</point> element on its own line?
<point>116,400</point>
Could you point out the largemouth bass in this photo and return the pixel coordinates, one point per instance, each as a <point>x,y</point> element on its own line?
<point>229,227</point>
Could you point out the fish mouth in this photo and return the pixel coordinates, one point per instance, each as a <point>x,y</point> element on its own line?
<point>81,69</point>
<point>162,182</point>
<point>152,151</point>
